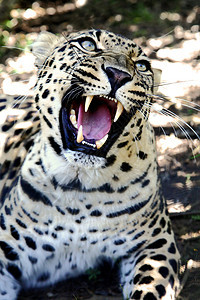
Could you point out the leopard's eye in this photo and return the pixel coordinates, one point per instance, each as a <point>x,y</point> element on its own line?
<point>88,45</point>
<point>141,66</point>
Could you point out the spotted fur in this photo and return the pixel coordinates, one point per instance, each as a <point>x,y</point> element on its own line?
<point>65,205</point>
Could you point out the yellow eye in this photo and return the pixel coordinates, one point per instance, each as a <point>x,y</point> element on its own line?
<point>88,45</point>
<point>141,66</point>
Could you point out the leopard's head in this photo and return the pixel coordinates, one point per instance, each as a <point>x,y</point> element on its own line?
<point>91,84</point>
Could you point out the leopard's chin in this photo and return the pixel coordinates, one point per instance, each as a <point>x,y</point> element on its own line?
<point>91,124</point>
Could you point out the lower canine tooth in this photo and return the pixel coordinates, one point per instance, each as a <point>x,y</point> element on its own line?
<point>88,100</point>
<point>100,143</point>
<point>80,137</point>
<point>119,111</point>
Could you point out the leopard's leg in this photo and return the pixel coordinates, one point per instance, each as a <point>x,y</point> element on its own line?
<point>9,286</point>
<point>152,274</point>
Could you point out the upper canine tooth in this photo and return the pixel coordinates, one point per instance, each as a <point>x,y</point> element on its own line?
<point>119,111</point>
<point>88,100</point>
<point>100,143</point>
<point>80,137</point>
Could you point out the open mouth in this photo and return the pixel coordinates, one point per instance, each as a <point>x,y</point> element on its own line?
<point>91,124</point>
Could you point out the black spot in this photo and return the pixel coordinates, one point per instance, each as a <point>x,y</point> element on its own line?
<point>59,228</point>
<point>139,121</point>
<point>54,145</point>
<point>30,242</point>
<point>14,270</point>
<point>33,260</point>
<point>158,257</point>
<point>2,222</point>
<point>83,239</point>
<point>171,281</point>
<point>14,232</point>
<point>164,271</point>
<point>136,247</point>
<point>145,268</point>
<point>45,94</point>
<point>140,258</point>
<point>106,188</point>
<point>153,222</point>
<point>174,265</point>
<point>44,277</point>
<point>60,210</point>
<point>122,189</point>
<point>48,247</point>
<point>136,278</point>
<point>149,296</point>
<point>146,280</point>
<point>172,248</point>
<point>145,183</point>
<point>161,290</point>
<point>88,206</point>
<point>8,251</point>
<point>162,222</point>
<point>20,223</point>
<point>62,49</point>
<point>121,145</point>
<point>73,211</point>
<point>142,155</point>
<point>157,244</point>
<point>38,231</point>
<point>110,160</point>
<point>47,121</point>
<point>33,194</point>
<point>125,167</point>
<point>96,213</point>
<point>136,295</point>
<point>50,111</point>
<point>156,231</point>
<point>119,242</point>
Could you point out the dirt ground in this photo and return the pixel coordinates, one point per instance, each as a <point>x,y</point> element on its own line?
<point>175,49</point>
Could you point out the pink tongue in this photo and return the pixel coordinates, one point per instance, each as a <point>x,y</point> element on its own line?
<point>96,124</point>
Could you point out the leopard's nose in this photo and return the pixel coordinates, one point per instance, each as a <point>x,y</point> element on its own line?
<point>117,78</point>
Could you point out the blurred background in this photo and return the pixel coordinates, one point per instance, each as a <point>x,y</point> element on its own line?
<point>169,33</point>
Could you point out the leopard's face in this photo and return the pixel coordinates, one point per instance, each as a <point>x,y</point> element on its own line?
<point>89,88</point>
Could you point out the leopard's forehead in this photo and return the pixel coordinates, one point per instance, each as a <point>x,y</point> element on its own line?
<point>109,41</point>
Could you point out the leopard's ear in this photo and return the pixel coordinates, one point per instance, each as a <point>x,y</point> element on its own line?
<point>157,79</point>
<point>42,47</point>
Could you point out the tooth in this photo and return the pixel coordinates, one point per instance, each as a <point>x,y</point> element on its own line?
<point>73,120</point>
<point>119,111</point>
<point>100,143</point>
<point>88,100</point>
<point>72,112</point>
<point>80,137</point>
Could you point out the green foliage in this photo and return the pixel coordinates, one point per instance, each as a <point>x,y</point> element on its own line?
<point>93,274</point>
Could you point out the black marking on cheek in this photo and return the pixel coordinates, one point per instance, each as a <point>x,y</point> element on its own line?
<point>110,160</point>
<point>14,232</point>
<point>14,270</point>
<point>98,34</point>
<point>157,244</point>
<point>146,280</point>
<point>2,222</point>
<point>145,183</point>
<point>125,167</point>
<point>158,257</point>
<point>20,223</point>
<point>47,121</point>
<point>123,144</point>
<point>161,290</point>
<point>8,251</point>
<point>171,281</point>
<point>33,260</point>
<point>48,248</point>
<point>163,271</point>
<point>30,242</point>
<point>136,278</point>
<point>156,231</point>
<point>54,145</point>
<point>136,295</point>
<point>33,194</point>
<point>142,155</point>
<point>73,211</point>
<point>172,248</point>
<point>119,242</point>
<point>43,277</point>
<point>162,222</point>
<point>95,213</point>
<point>136,247</point>
<point>145,268</point>
<point>149,296</point>
<point>45,94</point>
<point>174,265</point>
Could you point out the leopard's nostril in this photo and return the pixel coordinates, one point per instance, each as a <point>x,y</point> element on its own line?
<point>117,78</point>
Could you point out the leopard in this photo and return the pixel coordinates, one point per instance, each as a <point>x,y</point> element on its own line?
<point>79,174</point>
